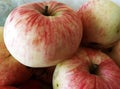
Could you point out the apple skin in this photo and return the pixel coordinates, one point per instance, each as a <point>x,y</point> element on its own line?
<point>101,23</point>
<point>37,40</point>
<point>13,72</point>
<point>8,87</point>
<point>75,73</point>
<point>114,53</point>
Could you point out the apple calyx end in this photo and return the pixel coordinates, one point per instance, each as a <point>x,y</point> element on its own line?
<point>93,69</point>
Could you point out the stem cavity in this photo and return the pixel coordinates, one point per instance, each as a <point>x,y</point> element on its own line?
<point>46,11</point>
<point>93,69</point>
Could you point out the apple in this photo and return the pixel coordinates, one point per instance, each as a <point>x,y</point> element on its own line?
<point>13,72</point>
<point>76,4</point>
<point>87,69</point>
<point>42,34</point>
<point>114,53</point>
<point>4,53</point>
<point>101,23</point>
<point>7,87</point>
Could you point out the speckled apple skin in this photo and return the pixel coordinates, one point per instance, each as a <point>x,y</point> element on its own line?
<point>37,40</point>
<point>74,73</point>
<point>101,22</point>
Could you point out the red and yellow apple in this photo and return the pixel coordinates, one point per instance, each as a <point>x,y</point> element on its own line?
<point>87,69</point>
<point>47,36</point>
<point>114,53</point>
<point>42,34</point>
<point>101,23</point>
<point>13,72</point>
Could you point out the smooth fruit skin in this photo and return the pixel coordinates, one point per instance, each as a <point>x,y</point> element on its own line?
<point>4,53</point>
<point>75,72</point>
<point>101,22</point>
<point>37,40</point>
<point>8,87</point>
<point>114,53</point>
<point>13,72</point>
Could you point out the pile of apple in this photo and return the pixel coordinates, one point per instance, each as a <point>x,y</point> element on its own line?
<point>48,45</point>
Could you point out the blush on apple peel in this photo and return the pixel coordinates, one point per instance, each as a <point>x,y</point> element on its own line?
<point>100,28</point>
<point>42,34</point>
<point>78,75</point>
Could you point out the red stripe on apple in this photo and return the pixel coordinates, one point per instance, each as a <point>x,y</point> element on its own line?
<point>42,34</point>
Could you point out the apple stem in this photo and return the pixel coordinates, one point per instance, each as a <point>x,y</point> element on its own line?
<point>93,69</point>
<point>46,11</point>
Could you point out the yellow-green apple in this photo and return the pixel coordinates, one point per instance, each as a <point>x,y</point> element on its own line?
<point>114,53</point>
<point>13,72</point>
<point>8,87</point>
<point>4,53</point>
<point>101,23</point>
<point>42,34</point>
<point>87,69</point>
